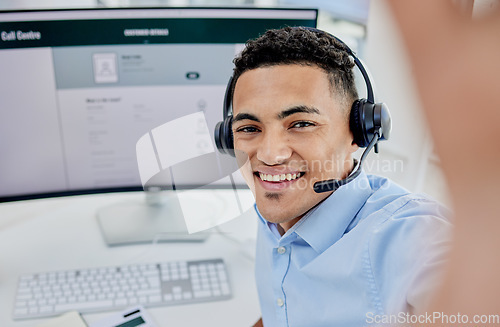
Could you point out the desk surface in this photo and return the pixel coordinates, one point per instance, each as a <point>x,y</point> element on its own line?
<point>63,233</point>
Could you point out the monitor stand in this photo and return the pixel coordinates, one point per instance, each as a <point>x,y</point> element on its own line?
<point>157,218</point>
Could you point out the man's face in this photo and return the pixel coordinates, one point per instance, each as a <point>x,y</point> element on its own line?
<point>295,133</point>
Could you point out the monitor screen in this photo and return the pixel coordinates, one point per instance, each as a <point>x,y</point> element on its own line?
<point>78,88</point>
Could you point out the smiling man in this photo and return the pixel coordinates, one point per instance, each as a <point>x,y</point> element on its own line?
<point>346,258</point>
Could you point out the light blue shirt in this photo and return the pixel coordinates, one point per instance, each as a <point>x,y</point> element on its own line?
<point>370,249</point>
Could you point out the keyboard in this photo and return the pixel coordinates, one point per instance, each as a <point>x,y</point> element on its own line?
<point>118,287</point>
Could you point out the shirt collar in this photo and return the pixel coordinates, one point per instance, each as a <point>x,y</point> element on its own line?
<point>326,223</point>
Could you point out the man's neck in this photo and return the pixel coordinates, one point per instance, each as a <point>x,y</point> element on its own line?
<point>283,227</point>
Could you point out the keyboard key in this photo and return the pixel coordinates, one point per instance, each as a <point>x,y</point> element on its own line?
<point>84,306</point>
<point>46,309</point>
<point>154,298</point>
<point>154,282</point>
<point>225,289</point>
<point>148,292</point>
<point>24,290</point>
<point>201,294</point>
<point>151,273</point>
<point>25,296</point>
<point>222,275</point>
<point>21,311</point>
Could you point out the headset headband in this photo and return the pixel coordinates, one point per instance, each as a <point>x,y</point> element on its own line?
<point>369,90</point>
<point>357,62</point>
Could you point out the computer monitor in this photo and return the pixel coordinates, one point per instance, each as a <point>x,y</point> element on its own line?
<point>78,88</point>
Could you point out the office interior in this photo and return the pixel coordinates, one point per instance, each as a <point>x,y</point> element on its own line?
<point>61,233</point>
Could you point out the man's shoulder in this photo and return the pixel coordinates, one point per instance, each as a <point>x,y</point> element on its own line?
<point>406,247</point>
<point>404,226</point>
<point>393,202</point>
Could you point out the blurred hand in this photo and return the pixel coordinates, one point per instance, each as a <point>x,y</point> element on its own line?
<point>456,64</point>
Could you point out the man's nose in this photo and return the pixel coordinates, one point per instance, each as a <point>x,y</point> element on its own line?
<point>273,148</point>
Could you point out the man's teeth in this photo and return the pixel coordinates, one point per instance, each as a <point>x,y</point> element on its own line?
<point>278,178</point>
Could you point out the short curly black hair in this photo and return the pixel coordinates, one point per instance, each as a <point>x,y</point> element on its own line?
<point>302,46</point>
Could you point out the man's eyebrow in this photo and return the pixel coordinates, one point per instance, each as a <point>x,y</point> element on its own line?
<point>298,109</point>
<point>243,116</point>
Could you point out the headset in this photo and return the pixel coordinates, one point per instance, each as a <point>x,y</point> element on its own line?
<point>369,122</point>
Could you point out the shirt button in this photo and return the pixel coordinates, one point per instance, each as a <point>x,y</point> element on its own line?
<point>280,302</point>
<point>281,250</point>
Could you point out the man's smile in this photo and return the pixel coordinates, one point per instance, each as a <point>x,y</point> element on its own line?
<point>278,180</point>
<point>279,177</point>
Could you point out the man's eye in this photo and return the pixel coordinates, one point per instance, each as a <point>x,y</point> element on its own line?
<point>247,129</point>
<point>302,124</point>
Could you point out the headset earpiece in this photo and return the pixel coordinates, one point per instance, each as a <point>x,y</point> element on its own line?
<point>224,136</point>
<point>223,133</point>
<point>366,118</point>
<point>355,124</point>
<point>382,118</point>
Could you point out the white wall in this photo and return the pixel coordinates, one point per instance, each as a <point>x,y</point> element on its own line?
<point>410,140</point>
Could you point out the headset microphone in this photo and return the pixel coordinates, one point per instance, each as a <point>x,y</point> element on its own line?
<point>334,184</point>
